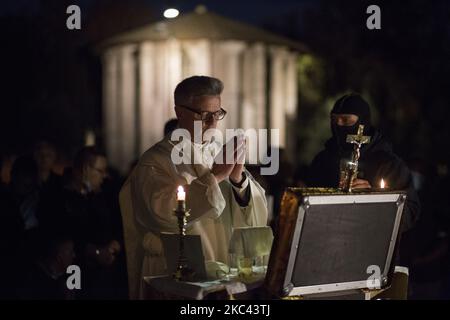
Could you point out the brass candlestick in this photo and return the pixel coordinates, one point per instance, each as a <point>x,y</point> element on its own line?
<point>183,272</point>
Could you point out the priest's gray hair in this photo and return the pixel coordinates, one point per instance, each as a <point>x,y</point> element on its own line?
<point>196,86</point>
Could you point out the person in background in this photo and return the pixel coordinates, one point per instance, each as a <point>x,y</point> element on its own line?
<point>46,277</point>
<point>377,161</point>
<point>90,215</point>
<point>12,231</point>
<point>45,156</point>
<point>170,126</point>
<point>24,190</point>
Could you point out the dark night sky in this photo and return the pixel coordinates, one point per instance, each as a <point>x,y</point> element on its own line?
<point>252,11</point>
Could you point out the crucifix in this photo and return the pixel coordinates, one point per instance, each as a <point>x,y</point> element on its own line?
<point>351,171</point>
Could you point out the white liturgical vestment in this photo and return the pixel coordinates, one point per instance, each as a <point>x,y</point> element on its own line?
<point>148,199</point>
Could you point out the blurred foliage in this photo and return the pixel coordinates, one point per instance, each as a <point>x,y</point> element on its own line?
<point>313,107</point>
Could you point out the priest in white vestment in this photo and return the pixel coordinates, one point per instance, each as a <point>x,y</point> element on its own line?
<point>220,196</point>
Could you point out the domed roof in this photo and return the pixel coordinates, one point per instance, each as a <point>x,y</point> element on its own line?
<point>201,24</point>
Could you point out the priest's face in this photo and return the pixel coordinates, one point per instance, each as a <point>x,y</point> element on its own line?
<point>202,107</point>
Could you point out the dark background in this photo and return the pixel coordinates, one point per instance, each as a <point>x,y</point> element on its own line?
<point>51,77</point>
<point>51,87</point>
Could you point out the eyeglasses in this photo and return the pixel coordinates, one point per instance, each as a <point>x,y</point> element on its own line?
<point>207,116</point>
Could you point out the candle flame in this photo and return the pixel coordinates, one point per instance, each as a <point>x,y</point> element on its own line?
<point>181,195</point>
<point>382,184</point>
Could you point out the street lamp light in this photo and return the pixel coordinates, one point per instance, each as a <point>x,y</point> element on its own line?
<point>171,13</point>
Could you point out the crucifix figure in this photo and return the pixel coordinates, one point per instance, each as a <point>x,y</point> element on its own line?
<point>352,167</point>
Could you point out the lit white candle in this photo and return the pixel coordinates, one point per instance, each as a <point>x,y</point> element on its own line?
<point>382,184</point>
<point>181,195</point>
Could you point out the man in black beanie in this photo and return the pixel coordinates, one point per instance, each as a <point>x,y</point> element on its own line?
<point>377,159</point>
